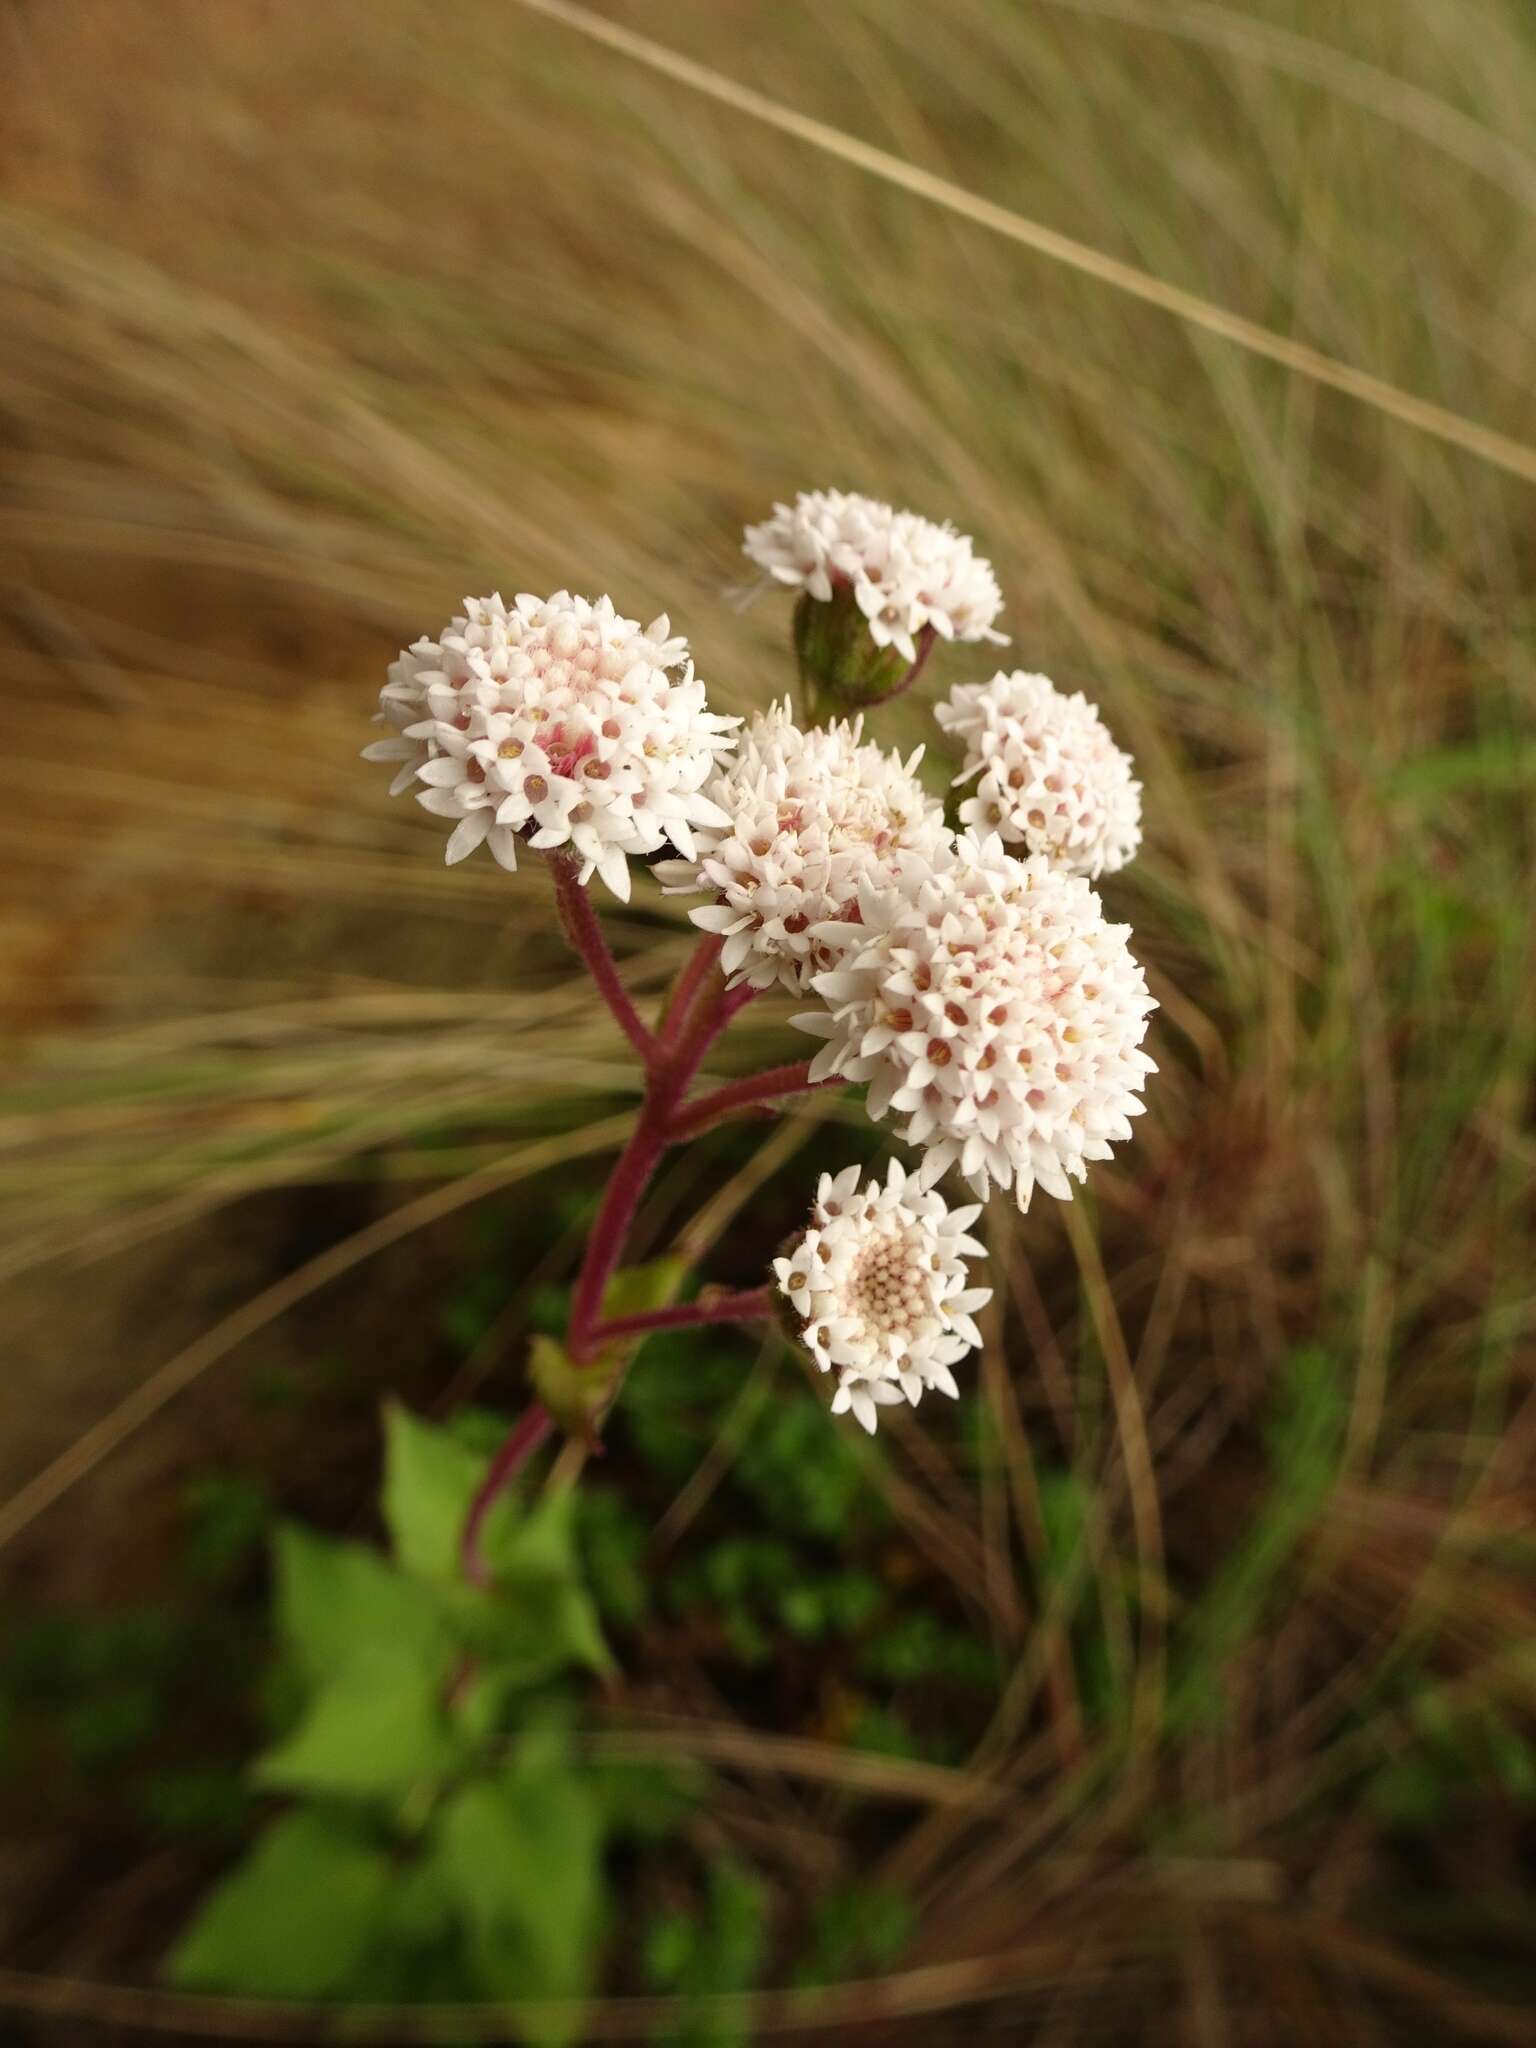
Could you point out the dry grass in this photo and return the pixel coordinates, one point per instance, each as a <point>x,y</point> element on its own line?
<point>317,321</point>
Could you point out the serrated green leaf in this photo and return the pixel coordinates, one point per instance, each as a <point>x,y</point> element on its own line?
<point>537,1545</point>
<point>376,1729</point>
<point>430,1478</point>
<point>290,1921</point>
<point>339,1602</point>
<point>521,1857</point>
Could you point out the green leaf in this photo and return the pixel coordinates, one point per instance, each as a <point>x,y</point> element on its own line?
<point>572,1393</point>
<point>430,1478</point>
<point>376,1729</point>
<point>541,1597</point>
<point>521,1855</point>
<point>340,1602</point>
<point>569,1391</point>
<point>638,1288</point>
<point>290,1921</point>
<point>538,1545</point>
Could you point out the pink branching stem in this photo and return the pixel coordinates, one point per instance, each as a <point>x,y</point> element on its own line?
<point>586,936</point>
<point>670,1065</point>
<point>689,982</point>
<point>626,1184</point>
<point>752,1091</point>
<point>752,1305</point>
<point>674,1068</point>
<point>524,1438</point>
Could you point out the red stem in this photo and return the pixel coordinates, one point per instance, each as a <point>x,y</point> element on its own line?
<point>925,639</point>
<point>753,1305</point>
<point>586,936</point>
<point>687,986</point>
<point>747,1093</point>
<point>669,1069</point>
<point>674,1068</point>
<point>626,1184</point>
<point>524,1438</point>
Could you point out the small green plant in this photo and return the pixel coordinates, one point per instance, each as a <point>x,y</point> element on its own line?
<point>441,1832</point>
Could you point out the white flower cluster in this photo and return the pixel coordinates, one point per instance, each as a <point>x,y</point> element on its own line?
<point>1050,776</point>
<point>812,816</point>
<point>979,993</point>
<point>906,573</point>
<point>986,1001</point>
<point>557,721</point>
<point>879,1285</point>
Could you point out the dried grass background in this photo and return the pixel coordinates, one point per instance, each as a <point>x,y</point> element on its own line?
<point>317,319</point>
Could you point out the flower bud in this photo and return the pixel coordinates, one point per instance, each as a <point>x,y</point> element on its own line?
<point>877,587</point>
<point>842,667</point>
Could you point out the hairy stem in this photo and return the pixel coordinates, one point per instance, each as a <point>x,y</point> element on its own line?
<point>752,1091</point>
<point>752,1305</point>
<point>670,1066</point>
<point>674,1068</point>
<point>626,1184</point>
<point>925,639</point>
<point>586,936</point>
<point>695,973</point>
<point>523,1439</point>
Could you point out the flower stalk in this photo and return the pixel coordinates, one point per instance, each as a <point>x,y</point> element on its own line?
<point>979,995</point>
<point>585,933</point>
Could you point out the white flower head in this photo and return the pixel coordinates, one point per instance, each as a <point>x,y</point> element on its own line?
<point>1051,777</point>
<point>986,1001</point>
<point>557,721</point>
<point>812,815</point>
<point>879,1285</point>
<point>905,572</point>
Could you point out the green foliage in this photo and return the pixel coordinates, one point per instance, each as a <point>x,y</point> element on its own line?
<point>225,1519</point>
<point>1451,1750</point>
<point>857,1931</point>
<point>520,1860</point>
<point>429,1475</point>
<point>295,1918</point>
<point>917,1646</point>
<point>802,1474</point>
<point>717,1950</point>
<point>450,1836</point>
<point>574,1394</point>
<point>612,1539</point>
<point>102,1683</point>
<point>341,1604</point>
<point>195,1800</point>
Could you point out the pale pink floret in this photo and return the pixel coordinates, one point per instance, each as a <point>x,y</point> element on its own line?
<point>558,722</point>
<point>986,1001</point>
<point>906,572</point>
<point>878,1283</point>
<point>812,815</point>
<point>1049,777</point>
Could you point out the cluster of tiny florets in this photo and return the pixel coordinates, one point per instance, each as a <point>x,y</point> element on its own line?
<point>558,722</point>
<point>878,1284</point>
<point>813,814</point>
<point>1049,776</point>
<point>986,1001</point>
<point>906,573</point>
<point>969,981</point>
